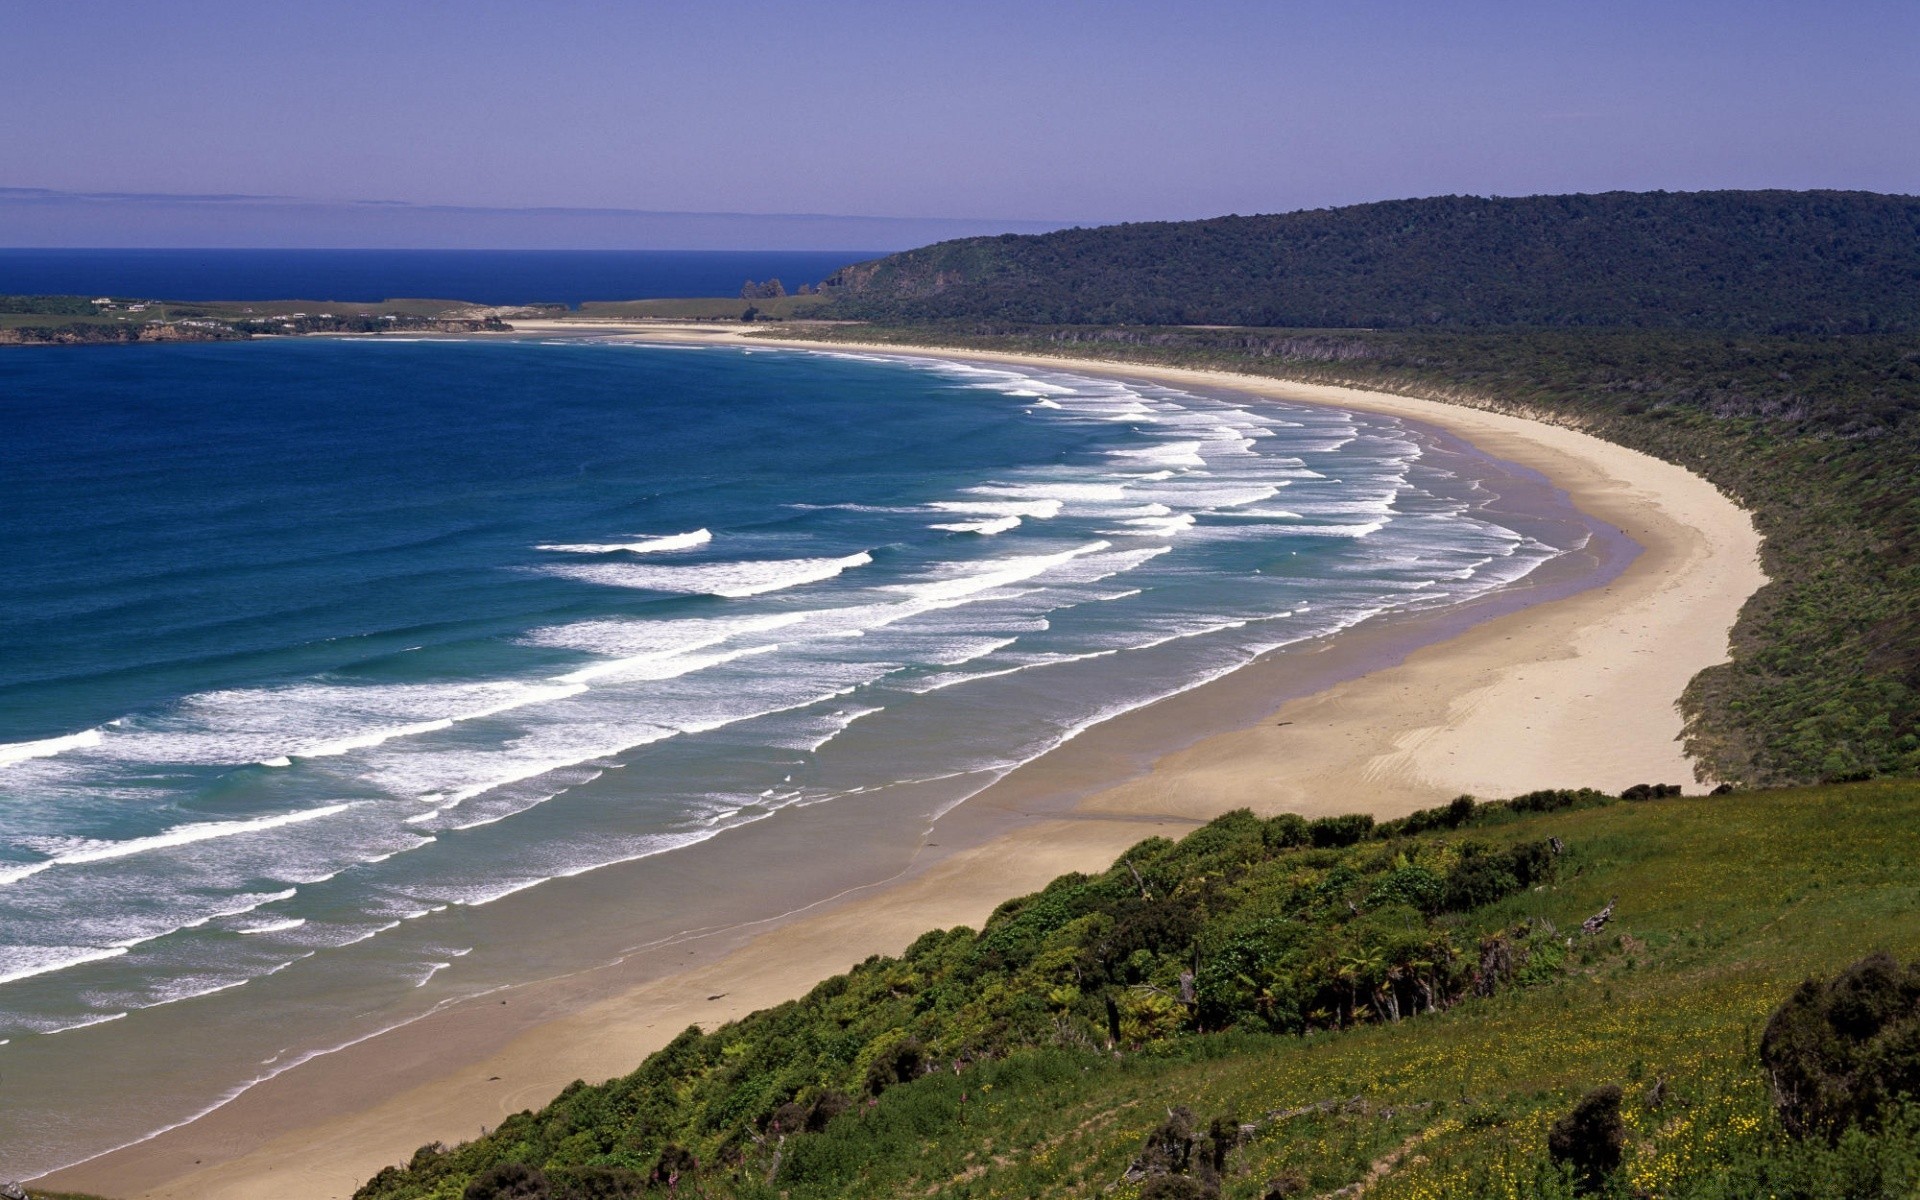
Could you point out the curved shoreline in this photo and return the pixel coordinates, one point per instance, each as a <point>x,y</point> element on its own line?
<point>1564,691</point>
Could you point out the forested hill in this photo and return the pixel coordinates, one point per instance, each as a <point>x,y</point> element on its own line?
<point>1758,261</point>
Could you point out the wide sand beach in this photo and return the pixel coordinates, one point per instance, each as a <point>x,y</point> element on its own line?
<point>1566,680</point>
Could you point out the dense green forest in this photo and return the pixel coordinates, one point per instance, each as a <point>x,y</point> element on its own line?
<point>1818,434</point>
<point>1763,261</point>
<point>1275,1007</point>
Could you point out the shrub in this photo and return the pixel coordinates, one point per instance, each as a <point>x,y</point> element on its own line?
<point>1591,1138</point>
<point>1169,1148</point>
<point>676,1162</point>
<point>1178,1187</point>
<point>1330,832</point>
<point>1415,887</point>
<point>903,1062</point>
<point>597,1183</point>
<point>1839,1053</point>
<point>508,1181</point>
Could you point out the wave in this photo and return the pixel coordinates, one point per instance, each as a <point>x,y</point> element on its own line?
<point>179,835</point>
<point>1359,530</point>
<point>563,688</point>
<point>630,639</point>
<point>13,752</point>
<point>747,577</point>
<point>1065,492</point>
<point>276,926</point>
<point>677,541</point>
<point>986,528</point>
<point>1041,509</point>
<point>996,573</point>
<point>1166,454</point>
<point>1154,526</point>
<point>24,962</point>
<point>82,1024</point>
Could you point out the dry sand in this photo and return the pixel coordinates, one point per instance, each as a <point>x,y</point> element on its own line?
<point>1572,691</point>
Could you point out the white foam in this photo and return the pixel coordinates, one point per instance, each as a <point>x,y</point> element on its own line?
<point>13,752</point>
<point>179,835</point>
<point>247,904</point>
<point>373,737</point>
<point>1041,509</point>
<point>995,573</point>
<point>433,968</point>
<point>748,577</point>
<point>24,962</point>
<point>1061,491</point>
<point>985,528</point>
<point>1166,454</point>
<point>277,926</point>
<point>1154,526</point>
<point>628,638</point>
<point>1360,530</point>
<point>83,1024</point>
<point>655,545</point>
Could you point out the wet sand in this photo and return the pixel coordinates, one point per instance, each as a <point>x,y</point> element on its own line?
<point>1567,679</point>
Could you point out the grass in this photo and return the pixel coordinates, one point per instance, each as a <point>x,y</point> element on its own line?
<point>1723,905</point>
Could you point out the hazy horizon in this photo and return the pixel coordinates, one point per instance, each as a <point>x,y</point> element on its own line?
<point>587,124</point>
<point>41,218</point>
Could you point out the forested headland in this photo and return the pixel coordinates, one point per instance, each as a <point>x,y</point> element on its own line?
<point>1755,262</point>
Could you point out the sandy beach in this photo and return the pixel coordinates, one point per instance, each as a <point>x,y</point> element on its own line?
<point>1519,693</point>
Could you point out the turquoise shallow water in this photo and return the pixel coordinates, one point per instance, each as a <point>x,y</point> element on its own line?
<point>310,647</point>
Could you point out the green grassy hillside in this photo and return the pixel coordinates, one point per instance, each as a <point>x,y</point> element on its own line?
<point>1753,261</point>
<point>1413,1009</point>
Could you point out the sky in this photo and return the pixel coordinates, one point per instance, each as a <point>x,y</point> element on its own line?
<point>989,113</point>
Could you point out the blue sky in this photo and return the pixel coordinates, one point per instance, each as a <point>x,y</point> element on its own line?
<point>986,111</point>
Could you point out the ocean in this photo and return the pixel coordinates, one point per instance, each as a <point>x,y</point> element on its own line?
<point>315,649</point>
<point>569,277</point>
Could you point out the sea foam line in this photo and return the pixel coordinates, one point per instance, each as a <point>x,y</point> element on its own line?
<point>13,752</point>
<point>737,579</point>
<point>656,545</point>
<point>179,835</point>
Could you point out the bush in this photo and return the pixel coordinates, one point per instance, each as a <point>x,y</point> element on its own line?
<point>1840,1053</point>
<point>508,1181</point>
<point>1330,832</point>
<point>1178,1187</point>
<point>902,1063</point>
<point>1169,1148</point>
<point>1415,887</point>
<point>598,1183</point>
<point>1591,1138</point>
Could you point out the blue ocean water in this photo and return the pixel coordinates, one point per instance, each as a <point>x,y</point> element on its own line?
<point>310,646</point>
<point>482,276</point>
